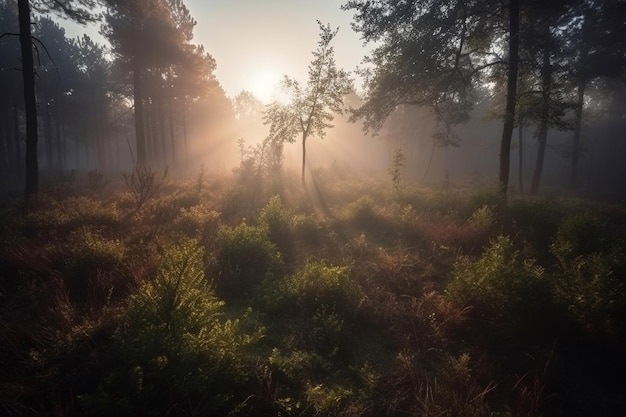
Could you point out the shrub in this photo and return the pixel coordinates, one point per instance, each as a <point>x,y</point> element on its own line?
<point>244,257</point>
<point>197,221</point>
<point>91,257</point>
<point>306,227</point>
<point>96,182</point>
<point>317,284</point>
<point>176,350</point>
<point>501,287</point>
<point>589,281</point>
<point>277,218</point>
<point>483,218</point>
<point>143,183</point>
<point>584,232</point>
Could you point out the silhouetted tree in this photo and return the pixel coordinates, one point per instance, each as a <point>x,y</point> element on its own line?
<point>434,54</point>
<point>77,10</point>
<point>596,33</point>
<point>310,108</point>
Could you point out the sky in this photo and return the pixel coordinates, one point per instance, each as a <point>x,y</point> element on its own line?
<point>256,42</point>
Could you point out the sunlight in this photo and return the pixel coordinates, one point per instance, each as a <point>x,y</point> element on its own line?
<point>264,84</point>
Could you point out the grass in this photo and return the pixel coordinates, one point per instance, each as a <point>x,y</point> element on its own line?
<point>233,296</point>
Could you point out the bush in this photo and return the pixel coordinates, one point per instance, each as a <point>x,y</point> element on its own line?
<point>277,218</point>
<point>501,287</point>
<point>176,350</point>
<point>93,258</point>
<point>306,227</point>
<point>244,257</point>
<point>589,281</point>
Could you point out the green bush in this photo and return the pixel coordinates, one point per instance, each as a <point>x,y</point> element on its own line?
<point>306,227</point>
<point>92,259</point>
<point>584,232</point>
<point>277,218</point>
<point>317,284</point>
<point>244,257</point>
<point>590,277</point>
<point>501,287</point>
<point>197,221</point>
<point>175,349</point>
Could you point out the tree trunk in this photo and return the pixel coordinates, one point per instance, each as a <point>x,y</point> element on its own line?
<point>30,105</point>
<point>577,130</point>
<point>185,131</point>
<point>159,105</point>
<point>521,158</point>
<point>546,93</point>
<point>511,91</point>
<point>172,135</point>
<point>18,145</point>
<point>60,139</point>
<point>47,133</point>
<point>542,139</point>
<point>303,156</point>
<point>140,135</point>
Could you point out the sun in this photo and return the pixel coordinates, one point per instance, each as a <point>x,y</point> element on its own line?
<point>264,83</point>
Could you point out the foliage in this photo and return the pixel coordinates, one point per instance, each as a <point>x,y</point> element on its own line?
<point>143,183</point>
<point>501,287</point>
<point>278,220</point>
<point>589,280</point>
<point>178,350</point>
<point>244,257</point>
<point>310,109</point>
<point>100,318</point>
<point>395,170</point>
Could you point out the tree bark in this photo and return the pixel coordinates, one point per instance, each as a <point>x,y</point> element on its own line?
<point>546,93</point>
<point>511,91</point>
<point>18,145</point>
<point>303,157</point>
<point>521,158</point>
<point>47,132</point>
<point>30,105</point>
<point>140,135</point>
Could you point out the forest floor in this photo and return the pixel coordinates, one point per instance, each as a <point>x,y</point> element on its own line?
<point>247,296</point>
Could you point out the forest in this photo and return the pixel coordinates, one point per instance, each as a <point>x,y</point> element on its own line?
<point>438,232</point>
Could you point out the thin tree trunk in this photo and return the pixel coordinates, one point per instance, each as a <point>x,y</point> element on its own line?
<point>577,131</point>
<point>511,91</point>
<point>172,135</point>
<point>303,156</point>
<point>5,158</point>
<point>159,104</point>
<point>59,138</point>
<point>430,159</point>
<point>185,131</point>
<point>546,92</point>
<point>47,133</point>
<point>542,141</point>
<point>28,76</point>
<point>140,134</point>
<point>18,146</point>
<point>521,158</point>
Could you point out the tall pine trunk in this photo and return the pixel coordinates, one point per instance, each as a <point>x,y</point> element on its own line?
<point>30,105</point>
<point>140,133</point>
<point>511,92</point>
<point>542,136</point>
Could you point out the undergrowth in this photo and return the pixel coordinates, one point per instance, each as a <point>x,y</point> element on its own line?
<point>240,297</point>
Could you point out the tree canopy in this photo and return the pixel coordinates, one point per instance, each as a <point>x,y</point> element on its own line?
<point>310,108</point>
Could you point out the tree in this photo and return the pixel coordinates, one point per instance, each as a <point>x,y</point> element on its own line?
<point>10,102</point>
<point>595,40</point>
<point>434,54</point>
<point>77,10</point>
<point>311,108</point>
